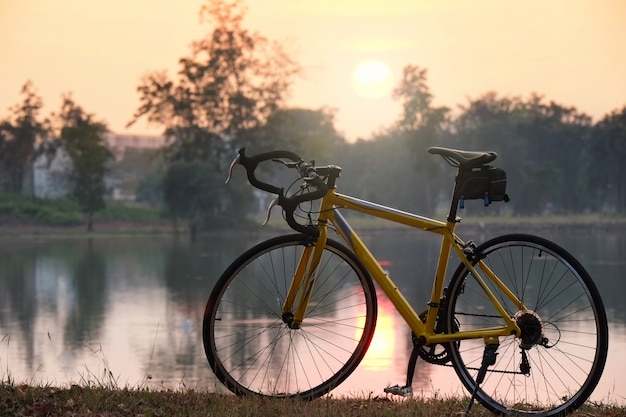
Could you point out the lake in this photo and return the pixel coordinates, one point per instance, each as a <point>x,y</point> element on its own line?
<point>127,311</point>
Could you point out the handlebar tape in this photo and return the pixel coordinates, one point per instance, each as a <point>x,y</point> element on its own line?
<point>250,163</point>
<point>289,204</point>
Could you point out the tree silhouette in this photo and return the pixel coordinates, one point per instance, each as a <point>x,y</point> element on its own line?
<point>19,137</point>
<point>421,126</point>
<point>233,81</point>
<point>603,163</point>
<point>83,139</point>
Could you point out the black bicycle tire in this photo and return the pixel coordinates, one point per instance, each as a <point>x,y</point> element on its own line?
<point>210,326</point>
<point>458,286</point>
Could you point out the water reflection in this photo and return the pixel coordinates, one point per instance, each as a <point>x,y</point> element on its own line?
<point>381,352</point>
<point>130,309</point>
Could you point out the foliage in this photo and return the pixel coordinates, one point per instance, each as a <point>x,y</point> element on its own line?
<point>148,190</point>
<point>309,133</point>
<point>83,140</point>
<point>19,137</point>
<point>602,163</point>
<point>556,160</point>
<point>541,146</point>
<point>65,212</point>
<point>381,170</point>
<point>196,191</point>
<point>123,213</point>
<point>416,98</point>
<point>183,183</point>
<point>421,126</point>
<point>49,212</point>
<point>137,172</point>
<point>230,91</point>
<point>232,82</point>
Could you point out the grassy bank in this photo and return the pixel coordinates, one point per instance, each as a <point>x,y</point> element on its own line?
<point>67,213</point>
<point>23,400</point>
<point>28,215</point>
<point>21,215</point>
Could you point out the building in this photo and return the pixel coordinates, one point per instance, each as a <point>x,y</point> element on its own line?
<point>119,144</point>
<point>51,170</point>
<point>51,174</point>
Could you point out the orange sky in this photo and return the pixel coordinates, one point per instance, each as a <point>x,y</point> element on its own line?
<point>571,51</point>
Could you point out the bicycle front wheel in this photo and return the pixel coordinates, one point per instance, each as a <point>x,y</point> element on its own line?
<point>253,351</point>
<point>555,364</point>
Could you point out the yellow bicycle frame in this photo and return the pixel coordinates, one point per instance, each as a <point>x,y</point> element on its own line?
<point>304,279</point>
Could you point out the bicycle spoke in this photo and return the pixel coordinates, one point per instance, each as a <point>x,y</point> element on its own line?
<point>252,350</point>
<point>550,371</point>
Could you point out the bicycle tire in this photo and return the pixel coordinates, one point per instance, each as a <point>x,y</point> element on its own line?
<point>250,348</point>
<point>564,336</point>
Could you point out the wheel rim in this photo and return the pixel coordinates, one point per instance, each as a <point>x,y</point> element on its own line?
<point>547,370</point>
<point>252,349</point>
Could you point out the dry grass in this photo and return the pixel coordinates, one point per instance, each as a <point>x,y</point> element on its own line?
<point>47,401</point>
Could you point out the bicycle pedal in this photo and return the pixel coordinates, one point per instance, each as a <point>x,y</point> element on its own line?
<point>405,391</point>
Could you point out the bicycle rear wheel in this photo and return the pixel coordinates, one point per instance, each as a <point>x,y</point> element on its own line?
<point>556,363</point>
<point>250,348</point>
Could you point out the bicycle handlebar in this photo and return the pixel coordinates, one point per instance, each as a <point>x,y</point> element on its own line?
<point>289,204</point>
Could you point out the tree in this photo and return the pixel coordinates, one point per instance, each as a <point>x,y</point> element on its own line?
<point>83,139</point>
<point>421,125</point>
<point>380,170</point>
<point>232,82</point>
<point>139,172</point>
<point>541,146</point>
<point>604,168</point>
<point>195,190</point>
<point>308,133</point>
<point>18,140</point>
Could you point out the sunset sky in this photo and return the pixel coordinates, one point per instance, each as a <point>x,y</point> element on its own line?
<point>570,51</point>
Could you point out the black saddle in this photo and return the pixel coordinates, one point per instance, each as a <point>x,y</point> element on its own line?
<point>466,159</point>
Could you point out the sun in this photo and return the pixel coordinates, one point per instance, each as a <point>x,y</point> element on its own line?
<point>372,79</point>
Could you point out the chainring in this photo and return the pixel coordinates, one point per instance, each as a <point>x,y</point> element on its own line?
<point>439,353</point>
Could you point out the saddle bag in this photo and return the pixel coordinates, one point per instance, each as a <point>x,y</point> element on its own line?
<point>485,183</point>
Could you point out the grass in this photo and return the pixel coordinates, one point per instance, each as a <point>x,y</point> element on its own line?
<point>99,394</point>
<point>28,215</point>
<point>65,212</point>
<point>40,401</point>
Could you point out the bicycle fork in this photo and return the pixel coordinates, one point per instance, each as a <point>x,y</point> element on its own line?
<point>303,282</point>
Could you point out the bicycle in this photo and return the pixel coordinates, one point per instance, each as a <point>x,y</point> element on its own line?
<point>520,319</point>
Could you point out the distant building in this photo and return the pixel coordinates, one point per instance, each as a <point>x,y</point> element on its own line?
<point>133,157</point>
<point>51,171</point>
<point>51,174</point>
<point>119,144</point>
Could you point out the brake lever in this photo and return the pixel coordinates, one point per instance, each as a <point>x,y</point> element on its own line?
<point>293,164</point>
<point>273,203</point>
<point>232,167</point>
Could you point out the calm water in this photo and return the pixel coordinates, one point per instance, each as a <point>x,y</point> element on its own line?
<point>128,310</point>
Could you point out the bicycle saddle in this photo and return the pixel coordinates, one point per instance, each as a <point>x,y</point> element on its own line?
<point>457,157</point>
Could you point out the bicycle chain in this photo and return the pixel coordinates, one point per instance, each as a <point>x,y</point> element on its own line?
<point>478,369</point>
<point>489,370</point>
<point>491,316</point>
